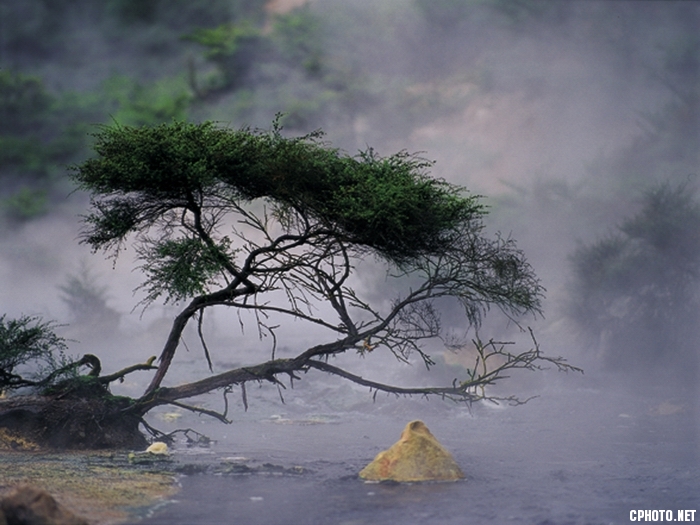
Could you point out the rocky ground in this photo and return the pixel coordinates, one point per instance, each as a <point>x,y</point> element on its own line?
<point>102,487</point>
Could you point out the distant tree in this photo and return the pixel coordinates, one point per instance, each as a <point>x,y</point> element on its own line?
<point>635,293</point>
<point>87,303</point>
<point>253,221</point>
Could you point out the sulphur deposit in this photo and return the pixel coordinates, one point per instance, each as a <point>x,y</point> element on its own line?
<point>417,456</point>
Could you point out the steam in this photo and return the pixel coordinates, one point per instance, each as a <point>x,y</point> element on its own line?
<point>533,109</point>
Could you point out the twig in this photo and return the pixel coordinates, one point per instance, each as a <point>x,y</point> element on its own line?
<point>204,343</point>
<point>244,395</point>
<point>199,410</point>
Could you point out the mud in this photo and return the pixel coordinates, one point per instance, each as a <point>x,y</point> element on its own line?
<point>105,488</point>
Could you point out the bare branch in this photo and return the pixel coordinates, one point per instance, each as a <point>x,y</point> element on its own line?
<point>244,396</point>
<point>207,355</point>
<point>449,392</point>
<point>199,410</point>
<point>491,364</point>
<point>128,370</point>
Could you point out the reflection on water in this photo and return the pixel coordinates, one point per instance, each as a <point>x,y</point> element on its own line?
<point>576,456</point>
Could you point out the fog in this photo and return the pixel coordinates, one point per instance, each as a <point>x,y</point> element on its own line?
<point>565,116</point>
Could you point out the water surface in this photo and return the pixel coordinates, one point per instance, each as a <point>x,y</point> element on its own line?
<point>574,456</point>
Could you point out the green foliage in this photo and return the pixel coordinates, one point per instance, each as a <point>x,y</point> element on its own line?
<point>136,104</point>
<point>394,206</point>
<point>23,101</point>
<point>26,203</point>
<point>28,343</point>
<point>24,104</point>
<point>85,387</point>
<point>223,41</point>
<point>287,65</point>
<point>297,37</point>
<point>233,48</point>
<point>182,268</point>
<point>38,133</point>
<point>387,204</point>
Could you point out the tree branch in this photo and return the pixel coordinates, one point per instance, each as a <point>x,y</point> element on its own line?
<point>128,370</point>
<point>468,390</point>
<point>460,392</point>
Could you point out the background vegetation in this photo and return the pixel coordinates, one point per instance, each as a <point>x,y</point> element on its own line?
<point>379,73</point>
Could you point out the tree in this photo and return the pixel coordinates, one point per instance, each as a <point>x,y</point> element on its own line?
<point>250,220</point>
<point>635,293</point>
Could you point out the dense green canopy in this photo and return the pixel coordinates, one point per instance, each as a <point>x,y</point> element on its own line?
<point>386,203</point>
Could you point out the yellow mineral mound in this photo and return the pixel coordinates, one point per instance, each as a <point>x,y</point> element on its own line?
<point>159,448</point>
<point>417,456</point>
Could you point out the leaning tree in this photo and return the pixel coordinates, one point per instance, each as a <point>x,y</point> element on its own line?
<point>252,220</point>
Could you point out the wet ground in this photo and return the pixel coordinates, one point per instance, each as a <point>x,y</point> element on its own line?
<point>102,487</point>
<point>576,455</point>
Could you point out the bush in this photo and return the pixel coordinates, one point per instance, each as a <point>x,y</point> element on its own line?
<point>636,292</point>
<point>30,347</point>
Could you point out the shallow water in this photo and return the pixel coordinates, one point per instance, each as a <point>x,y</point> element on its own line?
<point>574,456</point>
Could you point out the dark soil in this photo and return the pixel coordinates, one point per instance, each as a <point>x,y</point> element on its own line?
<point>74,419</point>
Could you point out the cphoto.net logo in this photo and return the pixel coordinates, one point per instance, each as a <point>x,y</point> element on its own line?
<point>662,515</point>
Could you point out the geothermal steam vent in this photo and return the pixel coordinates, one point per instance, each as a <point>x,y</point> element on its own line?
<point>417,456</point>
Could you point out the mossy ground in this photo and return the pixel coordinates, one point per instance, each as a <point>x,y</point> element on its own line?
<point>103,487</point>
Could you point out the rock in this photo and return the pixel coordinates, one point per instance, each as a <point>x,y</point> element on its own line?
<point>158,448</point>
<point>32,506</point>
<point>417,456</point>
